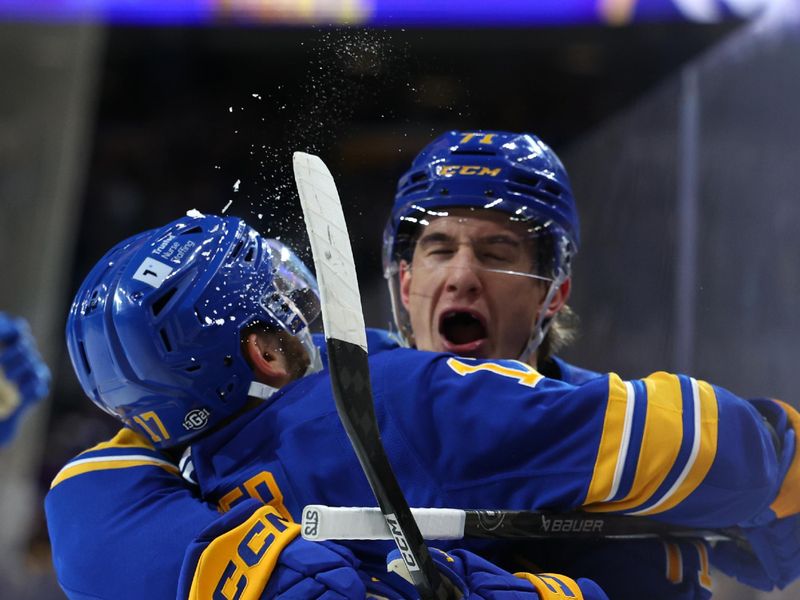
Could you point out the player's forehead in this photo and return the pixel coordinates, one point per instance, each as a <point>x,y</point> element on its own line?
<point>467,223</point>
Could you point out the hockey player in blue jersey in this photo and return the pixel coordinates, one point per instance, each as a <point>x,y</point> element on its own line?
<point>610,477</point>
<point>24,377</point>
<point>218,301</point>
<point>448,294</point>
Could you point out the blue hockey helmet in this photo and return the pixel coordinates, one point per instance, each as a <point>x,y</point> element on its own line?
<point>514,173</point>
<point>155,330</point>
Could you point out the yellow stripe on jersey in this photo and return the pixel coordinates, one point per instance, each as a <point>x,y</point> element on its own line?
<point>239,563</point>
<point>553,587</point>
<point>104,463</point>
<point>615,430</point>
<point>661,440</point>
<point>704,449</point>
<point>674,569</point>
<point>125,438</point>
<point>661,443</point>
<point>704,575</point>
<point>787,502</point>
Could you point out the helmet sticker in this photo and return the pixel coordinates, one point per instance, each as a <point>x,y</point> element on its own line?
<point>152,272</point>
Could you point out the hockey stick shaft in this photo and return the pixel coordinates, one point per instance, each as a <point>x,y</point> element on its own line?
<point>354,523</point>
<point>345,339</point>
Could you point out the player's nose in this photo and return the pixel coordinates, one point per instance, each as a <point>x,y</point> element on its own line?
<point>463,272</point>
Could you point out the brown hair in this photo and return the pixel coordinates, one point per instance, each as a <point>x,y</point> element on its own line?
<point>563,331</point>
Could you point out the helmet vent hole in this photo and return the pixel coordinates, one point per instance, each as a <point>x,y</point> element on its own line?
<point>223,393</point>
<point>480,152</point>
<point>228,360</point>
<point>551,189</point>
<point>251,252</point>
<point>84,360</point>
<point>419,176</point>
<point>159,304</point>
<point>190,231</point>
<point>193,368</point>
<point>165,340</point>
<point>237,249</point>
<point>415,188</point>
<point>526,180</point>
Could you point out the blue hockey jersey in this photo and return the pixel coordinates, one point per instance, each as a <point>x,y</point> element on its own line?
<point>459,432</point>
<point>472,433</point>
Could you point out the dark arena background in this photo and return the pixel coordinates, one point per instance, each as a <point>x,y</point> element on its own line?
<point>677,121</point>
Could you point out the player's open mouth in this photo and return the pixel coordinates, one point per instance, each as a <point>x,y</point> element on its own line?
<point>462,331</point>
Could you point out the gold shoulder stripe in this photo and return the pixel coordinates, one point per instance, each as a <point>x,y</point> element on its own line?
<point>104,463</point>
<point>125,438</point>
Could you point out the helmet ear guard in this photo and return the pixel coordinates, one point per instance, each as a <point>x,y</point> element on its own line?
<point>154,332</point>
<point>511,173</point>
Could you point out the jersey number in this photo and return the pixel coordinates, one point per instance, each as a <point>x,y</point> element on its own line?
<point>261,487</point>
<point>151,417</point>
<point>524,374</point>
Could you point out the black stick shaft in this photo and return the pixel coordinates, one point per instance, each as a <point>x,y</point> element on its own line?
<point>508,524</point>
<point>349,370</point>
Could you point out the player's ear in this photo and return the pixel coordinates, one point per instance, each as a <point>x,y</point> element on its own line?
<point>560,298</point>
<point>268,362</point>
<point>405,282</point>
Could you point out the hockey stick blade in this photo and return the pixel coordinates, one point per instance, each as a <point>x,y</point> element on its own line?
<point>345,338</point>
<point>366,523</point>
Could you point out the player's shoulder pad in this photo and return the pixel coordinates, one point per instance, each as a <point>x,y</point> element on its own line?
<point>125,450</point>
<point>572,373</point>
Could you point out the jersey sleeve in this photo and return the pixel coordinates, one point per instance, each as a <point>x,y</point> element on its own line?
<point>667,446</point>
<point>121,520</point>
<point>785,422</point>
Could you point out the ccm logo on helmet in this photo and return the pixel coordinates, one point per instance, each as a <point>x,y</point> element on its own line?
<point>450,170</point>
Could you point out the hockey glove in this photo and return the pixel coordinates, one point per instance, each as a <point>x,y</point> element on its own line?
<point>252,553</point>
<point>773,558</point>
<point>477,579</point>
<point>24,378</point>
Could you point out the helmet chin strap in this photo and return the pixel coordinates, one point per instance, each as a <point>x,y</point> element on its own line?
<point>542,322</point>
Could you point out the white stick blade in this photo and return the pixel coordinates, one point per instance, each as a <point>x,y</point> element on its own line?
<point>367,523</point>
<point>342,315</point>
